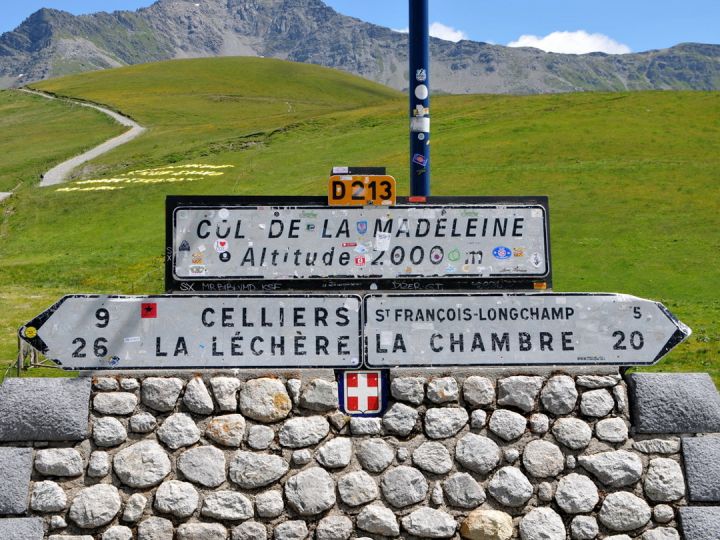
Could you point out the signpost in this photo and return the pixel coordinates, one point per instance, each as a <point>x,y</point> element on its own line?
<point>419,98</point>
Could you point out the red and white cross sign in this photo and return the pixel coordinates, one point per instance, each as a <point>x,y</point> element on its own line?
<point>363,392</point>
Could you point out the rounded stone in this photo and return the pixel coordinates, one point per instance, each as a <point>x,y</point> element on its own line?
<point>559,395</point>
<point>576,494</point>
<point>161,394</point>
<point>520,391</point>
<point>444,423</point>
<point>177,498</point>
<point>197,398</point>
<point>546,491</point>
<point>663,513</point>
<point>463,491</point>
<point>539,424</point>
<point>301,457</point>
<point>484,524</point>
<point>105,384</point>
<point>542,524</point>
<point>142,423</point>
<point>477,453</point>
<point>201,531</point>
<point>664,480</point>
<point>250,530</point>
<point>129,384</point>
<point>134,508</point>
<point>48,497</point>
<point>543,459</point>
<point>265,400</point>
<point>59,462</point>
<point>95,506</point>
<point>357,488</point>
<point>511,454</point>
<point>432,457</point>
<point>507,425</point>
<point>250,470</point>
<point>225,390</point>
<point>142,465</point>
<point>227,506</point>
<point>365,426</point>
<point>409,389</point>
<point>430,523</point>
<point>400,419</point>
<point>310,492</point>
<point>377,519</point>
<point>572,433</point>
<point>260,437</point>
<point>178,430</point>
<point>612,430</point>
<point>320,396</point>
<point>623,511</point>
<point>597,403</point>
<point>156,528</point>
<point>336,453</point>
<point>478,419</point>
<point>443,390</point>
<point>334,527</point>
<point>375,455</point>
<point>584,528</point>
<point>118,403</point>
<point>303,431</point>
<point>509,486</point>
<point>478,391</point>
<point>99,464</point>
<point>614,469</point>
<point>403,486</point>
<point>117,532</point>
<point>108,431</point>
<point>291,530</point>
<point>204,465</point>
<point>269,504</point>
<point>661,533</point>
<point>227,430</point>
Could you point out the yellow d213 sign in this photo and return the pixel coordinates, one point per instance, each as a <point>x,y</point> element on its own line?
<point>362,190</point>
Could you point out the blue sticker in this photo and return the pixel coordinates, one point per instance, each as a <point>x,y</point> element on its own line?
<point>421,160</point>
<point>502,253</point>
<point>362,227</point>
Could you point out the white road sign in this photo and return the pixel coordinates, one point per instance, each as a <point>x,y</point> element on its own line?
<point>517,329</point>
<point>159,332</point>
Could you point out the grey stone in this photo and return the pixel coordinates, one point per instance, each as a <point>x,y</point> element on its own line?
<point>227,506</point>
<point>338,420</point>
<point>658,446</point>
<point>99,465</point>
<point>134,508</point>
<point>570,461</point>
<point>674,403</point>
<point>612,430</point>
<point>334,527</point>
<point>142,423</point>
<point>559,395</point>
<point>663,513</point>
<point>702,468</point>
<point>15,472</point>
<point>250,530</point>
<point>129,384</point>
<point>597,403</point>
<point>108,431</point>
<point>156,528</point>
<point>477,453</point>
<point>119,403</point>
<point>700,522</point>
<point>430,523</point>
<point>142,465</point>
<point>478,419</point>
<point>584,528</point>
<point>21,528</point>
<point>400,419</point>
<point>445,422</point>
<point>510,487</point>
<point>201,531</point>
<point>336,453</point>
<point>661,533</point>
<point>59,462</point>
<point>105,384</point>
<point>294,386</point>
<point>436,496</point>
<point>291,530</point>
<point>269,504</point>
<point>598,381</point>
<point>409,389</point>
<point>357,488</point>
<point>225,390</point>
<point>539,424</point>
<point>443,390</point>
<point>572,433</point>
<point>511,454</point>
<point>70,537</point>
<point>623,511</point>
<point>301,457</point>
<point>614,469</point>
<point>403,486</point>
<point>432,457</point>
<point>47,497</point>
<point>178,430</point>
<point>543,459</point>
<point>463,491</point>
<point>576,494</point>
<point>482,524</point>
<point>57,522</point>
<point>310,492</point>
<point>402,454</point>
<point>301,431</point>
<point>519,391</point>
<point>377,519</point>
<point>117,532</point>
<point>204,465</point>
<point>197,398</point>
<point>249,470</point>
<point>621,398</point>
<point>320,395</point>
<point>265,400</point>
<point>542,524</point>
<point>478,391</point>
<point>507,425</point>
<point>95,506</point>
<point>52,409</point>
<point>546,491</point>
<point>160,393</point>
<point>374,455</point>
<point>365,426</point>
<point>227,430</point>
<point>177,498</point>
<point>664,480</point>
<point>260,437</point>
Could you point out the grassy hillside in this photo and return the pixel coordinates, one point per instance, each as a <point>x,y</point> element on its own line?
<point>632,178</point>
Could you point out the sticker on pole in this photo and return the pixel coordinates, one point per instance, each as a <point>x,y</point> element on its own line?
<point>363,393</point>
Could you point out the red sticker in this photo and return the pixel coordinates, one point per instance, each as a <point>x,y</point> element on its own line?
<point>148,311</point>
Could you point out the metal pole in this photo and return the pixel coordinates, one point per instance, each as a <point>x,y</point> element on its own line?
<point>419,98</point>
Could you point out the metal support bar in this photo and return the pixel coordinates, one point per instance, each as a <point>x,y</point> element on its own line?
<point>419,98</point>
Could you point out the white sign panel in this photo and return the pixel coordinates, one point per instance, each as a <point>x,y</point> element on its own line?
<point>132,332</point>
<point>517,329</point>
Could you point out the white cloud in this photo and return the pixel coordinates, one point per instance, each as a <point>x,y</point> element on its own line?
<point>579,42</point>
<point>440,31</point>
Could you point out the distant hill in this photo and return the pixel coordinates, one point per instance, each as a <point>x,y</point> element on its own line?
<point>50,43</point>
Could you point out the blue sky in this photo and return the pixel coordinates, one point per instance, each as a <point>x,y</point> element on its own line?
<point>562,25</point>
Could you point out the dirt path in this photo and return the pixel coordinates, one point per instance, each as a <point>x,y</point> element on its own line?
<point>59,173</point>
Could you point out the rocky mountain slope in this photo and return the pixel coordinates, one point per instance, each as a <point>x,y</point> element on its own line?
<point>51,43</point>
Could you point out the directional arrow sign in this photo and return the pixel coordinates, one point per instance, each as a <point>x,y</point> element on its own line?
<point>517,329</point>
<point>141,332</point>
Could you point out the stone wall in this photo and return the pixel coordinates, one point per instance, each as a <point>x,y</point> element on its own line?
<point>475,456</point>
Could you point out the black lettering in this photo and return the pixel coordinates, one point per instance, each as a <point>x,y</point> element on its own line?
<point>343,346</point>
<point>321,345</point>
<point>299,342</point>
<point>255,351</point>
<point>518,225</point>
<point>215,350</point>
<point>236,346</point>
<point>399,344</point>
<point>567,341</point>
<point>274,224</point>
<point>433,346</point>
<point>501,343</point>
<point>321,315</point>
<point>227,315</point>
<point>294,228</point>
<point>378,345</point>
<point>546,340</point>
<point>525,343</point>
<point>200,232</point>
<point>158,348</point>
<point>181,347</point>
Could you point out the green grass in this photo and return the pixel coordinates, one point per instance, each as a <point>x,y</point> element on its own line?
<point>632,179</point>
